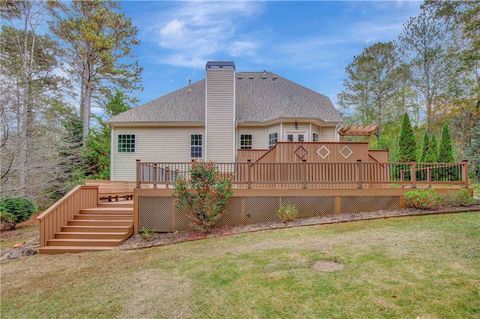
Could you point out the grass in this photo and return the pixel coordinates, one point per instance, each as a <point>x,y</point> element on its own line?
<point>415,267</point>
<point>476,189</point>
<point>23,233</point>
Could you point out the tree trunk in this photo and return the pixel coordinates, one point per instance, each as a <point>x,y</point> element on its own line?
<point>429,114</point>
<point>87,99</point>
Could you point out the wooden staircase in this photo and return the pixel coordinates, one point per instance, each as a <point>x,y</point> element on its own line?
<point>92,229</point>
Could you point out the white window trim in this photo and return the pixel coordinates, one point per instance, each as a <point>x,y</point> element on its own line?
<point>240,141</point>
<point>202,146</point>
<point>268,139</point>
<point>134,144</point>
<point>313,132</point>
<point>304,132</point>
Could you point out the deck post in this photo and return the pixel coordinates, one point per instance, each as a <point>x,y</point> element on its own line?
<point>429,176</point>
<point>304,169</point>
<point>465,173</point>
<point>413,174</point>
<point>360,175</point>
<point>249,173</point>
<point>155,175</point>
<point>167,176</point>
<point>138,173</point>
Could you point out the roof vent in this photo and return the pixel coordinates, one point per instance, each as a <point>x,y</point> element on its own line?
<point>274,78</point>
<point>264,74</point>
<point>189,87</point>
<point>250,77</point>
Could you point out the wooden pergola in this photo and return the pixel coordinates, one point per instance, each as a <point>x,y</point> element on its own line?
<point>357,130</point>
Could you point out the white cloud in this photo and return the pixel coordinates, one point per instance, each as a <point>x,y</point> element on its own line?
<point>194,32</point>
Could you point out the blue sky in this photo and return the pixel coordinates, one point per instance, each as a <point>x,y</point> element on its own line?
<point>310,43</point>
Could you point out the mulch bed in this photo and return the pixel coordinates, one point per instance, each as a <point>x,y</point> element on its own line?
<point>161,239</point>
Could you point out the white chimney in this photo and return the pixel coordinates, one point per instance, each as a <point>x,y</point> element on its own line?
<point>220,112</point>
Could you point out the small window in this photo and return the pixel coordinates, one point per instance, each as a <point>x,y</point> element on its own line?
<point>272,139</point>
<point>196,146</point>
<point>301,138</point>
<point>315,137</point>
<point>289,137</point>
<point>126,143</point>
<point>246,141</point>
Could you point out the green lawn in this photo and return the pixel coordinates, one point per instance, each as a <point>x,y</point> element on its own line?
<point>416,267</point>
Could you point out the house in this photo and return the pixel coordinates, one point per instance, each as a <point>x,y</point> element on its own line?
<point>219,118</point>
<point>277,141</point>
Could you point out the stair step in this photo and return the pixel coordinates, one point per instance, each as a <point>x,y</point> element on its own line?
<point>70,249</point>
<point>130,213</point>
<point>84,242</point>
<point>92,235</point>
<point>102,210</point>
<point>116,205</point>
<point>102,217</point>
<point>93,222</point>
<point>97,229</point>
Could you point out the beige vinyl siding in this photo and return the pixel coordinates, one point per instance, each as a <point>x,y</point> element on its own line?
<point>258,135</point>
<point>328,133</point>
<point>166,144</point>
<point>220,115</point>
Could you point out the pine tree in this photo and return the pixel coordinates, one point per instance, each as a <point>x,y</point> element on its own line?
<point>426,141</point>
<point>445,152</point>
<point>96,154</point>
<point>99,49</point>
<point>407,147</point>
<point>432,152</point>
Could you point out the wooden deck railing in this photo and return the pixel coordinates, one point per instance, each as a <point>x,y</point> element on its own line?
<point>313,175</point>
<point>52,220</point>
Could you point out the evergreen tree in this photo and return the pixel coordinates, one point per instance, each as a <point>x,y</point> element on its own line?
<point>426,141</point>
<point>432,152</point>
<point>445,152</point>
<point>407,147</point>
<point>99,49</point>
<point>473,153</point>
<point>96,154</point>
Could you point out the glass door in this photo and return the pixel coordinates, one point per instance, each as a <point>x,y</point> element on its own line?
<point>295,136</point>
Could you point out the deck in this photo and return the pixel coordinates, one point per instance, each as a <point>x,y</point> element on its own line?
<point>100,215</point>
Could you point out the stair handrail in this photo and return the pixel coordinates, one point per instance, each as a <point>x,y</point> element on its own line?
<point>49,227</point>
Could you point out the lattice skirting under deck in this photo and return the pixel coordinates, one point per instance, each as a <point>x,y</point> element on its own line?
<point>160,213</point>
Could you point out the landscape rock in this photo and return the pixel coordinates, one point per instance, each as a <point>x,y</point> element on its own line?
<point>15,253</point>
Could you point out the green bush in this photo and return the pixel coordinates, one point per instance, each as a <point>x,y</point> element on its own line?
<point>423,199</point>
<point>205,194</point>
<point>287,212</point>
<point>6,219</point>
<point>15,210</point>
<point>461,198</point>
<point>147,234</point>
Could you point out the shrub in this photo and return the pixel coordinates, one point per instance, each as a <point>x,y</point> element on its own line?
<point>16,210</point>
<point>147,234</point>
<point>205,194</point>
<point>423,199</point>
<point>461,198</point>
<point>6,220</point>
<point>287,212</point>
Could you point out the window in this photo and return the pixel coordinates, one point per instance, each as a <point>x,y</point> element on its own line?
<point>126,143</point>
<point>315,137</point>
<point>301,138</point>
<point>196,146</point>
<point>246,141</point>
<point>290,137</point>
<point>272,139</point>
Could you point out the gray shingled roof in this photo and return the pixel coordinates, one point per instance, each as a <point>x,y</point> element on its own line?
<point>260,98</point>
